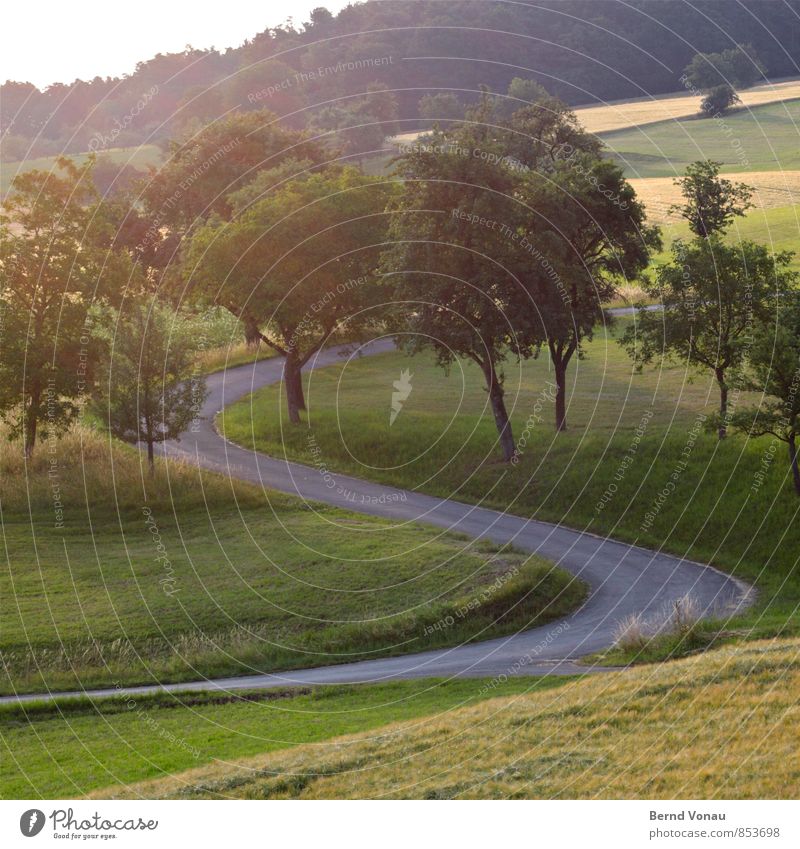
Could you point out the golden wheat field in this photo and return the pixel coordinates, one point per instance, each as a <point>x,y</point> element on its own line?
<point>718,725</point>
<point>771,190</point>
<point>647,110</point>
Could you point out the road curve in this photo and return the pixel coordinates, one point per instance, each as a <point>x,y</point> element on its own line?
<point>623,579</point>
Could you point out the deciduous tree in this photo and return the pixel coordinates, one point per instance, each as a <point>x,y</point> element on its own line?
<point>296,263</point>
<point>54,265</point>
<point>773,367</point>
<point>148,389</point>
<point>713,296</point>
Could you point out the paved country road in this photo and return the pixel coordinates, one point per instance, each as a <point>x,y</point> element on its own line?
<point>623,579</point>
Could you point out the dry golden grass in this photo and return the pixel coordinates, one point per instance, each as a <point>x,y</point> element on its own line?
<point>772,189</point>
<point>719,725</point>
<point>89,472</point>
<point>618,115</point>
<point>230,356</point>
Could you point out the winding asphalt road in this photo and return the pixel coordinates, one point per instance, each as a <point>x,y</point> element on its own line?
<point>623,579</point>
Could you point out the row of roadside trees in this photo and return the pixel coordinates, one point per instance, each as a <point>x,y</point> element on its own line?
<point>500,237</point>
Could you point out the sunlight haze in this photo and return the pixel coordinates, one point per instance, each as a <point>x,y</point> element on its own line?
<point>108,44</point>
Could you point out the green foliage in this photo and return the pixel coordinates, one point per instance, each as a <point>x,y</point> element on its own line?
<point>202,170</point>
<point>774,369</point>
<point>358,126</point>
<point>713,295</point>
<point>442,106</point>
<point>738,66</point>
<point>516,233</point>
<point>712,202</point>
<point>148,391</point>
<point>298,263</point>
<point>718,100</point>
<point>583,47</point>
<point>53,267</point>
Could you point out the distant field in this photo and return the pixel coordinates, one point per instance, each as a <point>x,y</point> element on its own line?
<point>721,725</point>
<point>139,157</point>
<point>764,139</point>
<point>620,114</point>
<point>778,227</point>
<point>772,189</point>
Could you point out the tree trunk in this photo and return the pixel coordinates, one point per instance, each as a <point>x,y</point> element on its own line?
<point>560,368</point>
<point>723,403</point>
<point>150,458</point>
<point>501,420</point>
<point>30,424</point>
<point>793,461</point>
<point>293,379</point>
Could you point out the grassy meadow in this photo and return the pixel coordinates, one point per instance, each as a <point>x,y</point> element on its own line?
<point>188,575</point>
<point>640,111</point>
<point>760,139</point>
<point>141,157</point>
<point>628,435</point>
<point>74,747</point>
<point>719,725</point>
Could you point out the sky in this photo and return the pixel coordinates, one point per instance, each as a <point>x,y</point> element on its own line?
<point>47,41</point>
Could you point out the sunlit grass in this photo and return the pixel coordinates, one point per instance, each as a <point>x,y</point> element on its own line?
<point>187,575</point>
<point>601,475</point>
<point>720,725</point>
<point>74,747</point>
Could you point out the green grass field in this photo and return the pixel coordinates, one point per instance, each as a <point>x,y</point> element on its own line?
<point>778,228</point>
<point>762,139</point>
<point>139,157</point>
<point>719,726</point>
<point>243,581</point>
<point>73,748</point>
<point>444,442</point>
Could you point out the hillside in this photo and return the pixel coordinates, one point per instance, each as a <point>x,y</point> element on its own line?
<point>576,49</point>
<point>640,111</point>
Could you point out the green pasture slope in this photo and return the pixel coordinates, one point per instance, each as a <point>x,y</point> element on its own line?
<point>764,138</point>
<point>179,577</point>
<point>628,434</point>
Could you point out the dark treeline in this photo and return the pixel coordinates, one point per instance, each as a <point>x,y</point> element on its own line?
<point>580,50</point>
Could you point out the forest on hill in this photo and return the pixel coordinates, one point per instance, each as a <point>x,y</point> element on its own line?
<point>378,59</point>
